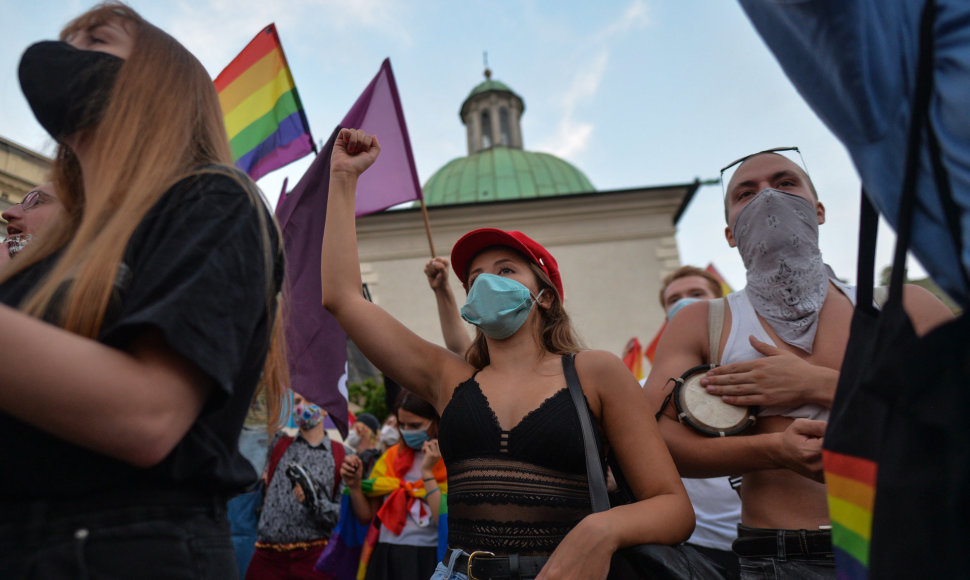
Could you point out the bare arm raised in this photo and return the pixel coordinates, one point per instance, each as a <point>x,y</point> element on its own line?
<point>417,364</point>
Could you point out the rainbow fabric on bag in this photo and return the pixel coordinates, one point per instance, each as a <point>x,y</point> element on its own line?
<point>851,485</point>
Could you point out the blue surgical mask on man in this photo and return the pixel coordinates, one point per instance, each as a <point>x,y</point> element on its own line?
<point>499,306</point>
<point>680,304</point>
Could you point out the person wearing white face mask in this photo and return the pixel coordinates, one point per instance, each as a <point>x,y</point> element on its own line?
<point>794,313</point>
<point>27,218</point>
<point>363,438</point>
<point>389,433</point>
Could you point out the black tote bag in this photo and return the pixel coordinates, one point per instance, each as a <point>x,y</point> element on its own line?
<point>897,446</point>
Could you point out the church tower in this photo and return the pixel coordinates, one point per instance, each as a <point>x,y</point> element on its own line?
<point>497,167</point>
<point>492,114</point>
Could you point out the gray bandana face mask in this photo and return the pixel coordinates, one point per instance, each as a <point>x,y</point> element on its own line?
<point>777,236</point>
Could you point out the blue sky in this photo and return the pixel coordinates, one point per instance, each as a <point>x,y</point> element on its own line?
<point>634,93</point>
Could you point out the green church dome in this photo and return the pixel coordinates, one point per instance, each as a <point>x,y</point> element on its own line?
<point>503,174</point>
<point>490,85</point>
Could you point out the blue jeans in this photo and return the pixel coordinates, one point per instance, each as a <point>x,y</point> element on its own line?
<point>152,535</point>
<point>446,570</point>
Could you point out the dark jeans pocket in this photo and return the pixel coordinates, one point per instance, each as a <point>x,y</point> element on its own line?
<point>756,569</point>
<point>194,549</point>
<point>769,568</point>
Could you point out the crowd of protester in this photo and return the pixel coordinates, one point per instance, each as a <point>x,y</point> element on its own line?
<point>147,386</point>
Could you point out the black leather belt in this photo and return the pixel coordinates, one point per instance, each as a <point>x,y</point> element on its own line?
<point>487,566</point>
<point>771,543</point>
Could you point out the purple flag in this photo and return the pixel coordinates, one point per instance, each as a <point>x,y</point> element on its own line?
<point>317,346</point>
<point>393,179</point>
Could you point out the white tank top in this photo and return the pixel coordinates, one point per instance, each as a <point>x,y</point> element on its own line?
<point>717,508</point>
<point>744,323</point>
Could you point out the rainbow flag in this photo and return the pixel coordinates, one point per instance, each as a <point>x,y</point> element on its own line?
<point>265,121</point>
<point>725,287</point>
<point>851,486</point>
<point>384,481</point>
<point>651,349</point>
<point>633,357</point>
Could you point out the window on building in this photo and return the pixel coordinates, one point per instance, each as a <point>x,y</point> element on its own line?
<point>504,127</point>
<point>487,139</point>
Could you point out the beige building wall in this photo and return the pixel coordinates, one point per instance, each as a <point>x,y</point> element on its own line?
<point>21,169</point>
<point>613,249</point>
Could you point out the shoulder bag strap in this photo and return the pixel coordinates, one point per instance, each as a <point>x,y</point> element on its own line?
<point>594,466</point>
<point>868,229</point>
<point>921,107</point>
<point>715,324</point>
<point>282,445</point>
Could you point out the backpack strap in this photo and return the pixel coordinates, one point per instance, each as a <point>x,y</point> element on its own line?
<point>282,444</point>
<point>715,324</point>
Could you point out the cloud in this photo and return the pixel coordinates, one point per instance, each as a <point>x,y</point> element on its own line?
<point>637,16</point>
<point>572,135</point>
<point>216,30</point>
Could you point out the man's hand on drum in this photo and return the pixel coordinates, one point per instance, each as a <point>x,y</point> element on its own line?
<point>801,447</point>
<point>780,378</point>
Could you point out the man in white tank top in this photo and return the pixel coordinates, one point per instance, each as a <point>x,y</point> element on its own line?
<point>783,341</point>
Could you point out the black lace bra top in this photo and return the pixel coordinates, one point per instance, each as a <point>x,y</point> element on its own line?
<point>517,491</point>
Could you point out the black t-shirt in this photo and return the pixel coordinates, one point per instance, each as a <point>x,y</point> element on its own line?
<point>193,270</point>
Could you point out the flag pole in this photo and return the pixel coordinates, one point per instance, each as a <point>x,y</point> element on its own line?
<point>427,226</point>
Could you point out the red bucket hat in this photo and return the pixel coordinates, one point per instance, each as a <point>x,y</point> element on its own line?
<point>477,240</point>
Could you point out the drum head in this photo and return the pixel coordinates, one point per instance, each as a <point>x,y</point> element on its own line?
<point>705,412</point>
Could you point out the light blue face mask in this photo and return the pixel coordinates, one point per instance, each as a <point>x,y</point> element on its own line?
<point>415,439</point>
<point>680,304</point>
<point>497,305</point>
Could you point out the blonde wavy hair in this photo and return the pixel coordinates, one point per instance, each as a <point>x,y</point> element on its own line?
<point>162,123</point>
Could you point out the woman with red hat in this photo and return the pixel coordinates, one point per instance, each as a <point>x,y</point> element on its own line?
<point>509,433</point>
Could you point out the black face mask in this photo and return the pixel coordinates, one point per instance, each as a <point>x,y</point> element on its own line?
<point>67,88</point>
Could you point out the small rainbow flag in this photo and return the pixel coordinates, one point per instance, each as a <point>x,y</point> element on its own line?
<point>851,486</point>
<point>633,357</point>
<point>725,287</point>
<point>265,121</point>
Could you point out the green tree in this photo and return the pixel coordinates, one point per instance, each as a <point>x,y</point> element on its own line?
<point>369,396</point>
<point>886,274</point>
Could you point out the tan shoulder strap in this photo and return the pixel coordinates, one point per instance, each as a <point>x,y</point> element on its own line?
<point>880,294</point>
<point>715,324</point>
